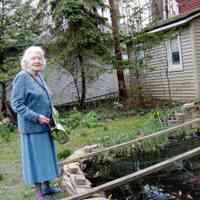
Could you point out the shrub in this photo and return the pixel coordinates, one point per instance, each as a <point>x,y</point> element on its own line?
<point>1,177</point>
<point>91,120</point>
<point>6,130</point>
<point>71,121</point>
<point>64,154</point>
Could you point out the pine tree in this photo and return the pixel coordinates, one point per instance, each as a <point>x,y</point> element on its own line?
<point>78,39</point>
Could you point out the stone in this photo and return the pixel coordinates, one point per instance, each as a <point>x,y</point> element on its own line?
<point>180,117</point>
<point>187,106</point>
<point>79,180</point>
<point>90,148</point>
<point>6,120</point>
<point>73,180</point>
<point>73,168</point>
<point>67,186</point>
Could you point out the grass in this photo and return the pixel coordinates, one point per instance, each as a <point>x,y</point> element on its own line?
<point>114,131</point>
<point>11,185</point>
<point>109,131</point>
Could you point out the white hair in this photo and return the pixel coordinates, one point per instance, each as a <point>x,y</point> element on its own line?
<point>25,61</point>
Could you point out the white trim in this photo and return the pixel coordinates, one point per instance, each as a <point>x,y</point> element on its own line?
<point>194,58</point>
<point>174,67</point>
<point>164,10</point>
<point>181,22</point>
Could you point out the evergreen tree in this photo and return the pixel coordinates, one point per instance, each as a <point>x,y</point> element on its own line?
<point>79,39</point>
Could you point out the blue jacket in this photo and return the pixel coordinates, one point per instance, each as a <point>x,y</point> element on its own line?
<point>29,99</point>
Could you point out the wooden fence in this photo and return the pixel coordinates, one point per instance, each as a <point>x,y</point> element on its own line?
<point>141,173</point>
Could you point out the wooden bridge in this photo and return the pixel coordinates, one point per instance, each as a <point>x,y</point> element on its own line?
<point>138,174</point>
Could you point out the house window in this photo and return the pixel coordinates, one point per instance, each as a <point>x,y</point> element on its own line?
<point>174,54</point>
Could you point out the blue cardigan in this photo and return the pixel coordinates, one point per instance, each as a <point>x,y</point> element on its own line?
<point>29,99</point>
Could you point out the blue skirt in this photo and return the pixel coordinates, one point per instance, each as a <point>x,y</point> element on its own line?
<point>38,157</point>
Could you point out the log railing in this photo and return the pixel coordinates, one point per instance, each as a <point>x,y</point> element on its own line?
<point>141,173</point>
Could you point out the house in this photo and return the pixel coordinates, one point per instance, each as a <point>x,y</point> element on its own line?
<point>64,91</point>
<point>187,5</point>
<point>174,66</point>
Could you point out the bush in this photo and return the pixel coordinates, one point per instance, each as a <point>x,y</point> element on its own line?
<point>1,177</point>
<point>6,130</point>
<point>71,121</point>
<point>91,120</point>
<point>64,154</point>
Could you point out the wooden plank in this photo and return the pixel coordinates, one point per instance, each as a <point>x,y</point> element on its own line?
<point>159,133</point>
<point>136,175</point>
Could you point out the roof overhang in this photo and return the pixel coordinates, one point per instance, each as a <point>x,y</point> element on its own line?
<point>180,20</point>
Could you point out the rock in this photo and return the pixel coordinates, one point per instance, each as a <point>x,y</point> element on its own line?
<point>79,181</point>
<point>5,120</point>
<point>73,168</point>
<point>187,106</point>
<point>85,150</point>
<point>118,105</point>
<point>67,186</point>
<point>73,179</point>
<point>90,148</point>
<point>180,117</point>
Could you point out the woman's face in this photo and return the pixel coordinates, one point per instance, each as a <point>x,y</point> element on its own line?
<point>36,62</point>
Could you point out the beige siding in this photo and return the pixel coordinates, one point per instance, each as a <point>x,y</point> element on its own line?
<point>182,83</point>
<point>196,30</point>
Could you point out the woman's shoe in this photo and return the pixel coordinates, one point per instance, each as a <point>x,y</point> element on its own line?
<point>50,190</point>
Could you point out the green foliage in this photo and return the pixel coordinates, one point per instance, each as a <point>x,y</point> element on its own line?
<point>16,33</point>
<point>79,40</point>
<point>75,119</point>
<point>6,130</point>
<point>72,120</point>
<point>91,120</point>
<point>1,177</point>
<point>153,122</point>
<point>64,154</point>
<point>114,129</point>
<point>64,127</point>
<point>83,35</point>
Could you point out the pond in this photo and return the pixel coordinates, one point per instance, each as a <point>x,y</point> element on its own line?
<point>181,181</point>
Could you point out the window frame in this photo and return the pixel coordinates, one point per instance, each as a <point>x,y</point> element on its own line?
<point>174,67</point>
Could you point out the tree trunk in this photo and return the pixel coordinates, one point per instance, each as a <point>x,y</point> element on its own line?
<point>83,84</point>
<point>168,85</point>
<point>139,88</point>
<point>4,100</point>
<point>118,54</point>
<point>167,76</point>
<point>166,10</point>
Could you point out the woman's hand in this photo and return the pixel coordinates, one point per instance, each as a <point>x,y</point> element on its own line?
<point>43,120</point>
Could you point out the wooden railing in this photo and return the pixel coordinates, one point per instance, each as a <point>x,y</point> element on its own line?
<point>141,173</point>
<point>136,175</point>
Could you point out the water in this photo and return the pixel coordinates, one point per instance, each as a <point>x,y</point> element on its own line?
<point>178,182</point>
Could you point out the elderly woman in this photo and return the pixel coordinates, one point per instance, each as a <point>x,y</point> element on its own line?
<point>31,100</point>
